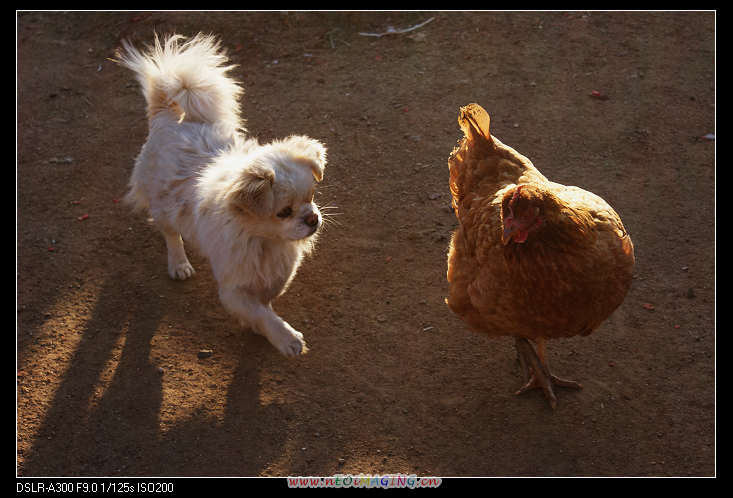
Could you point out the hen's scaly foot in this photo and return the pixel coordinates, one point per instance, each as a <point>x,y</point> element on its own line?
<point>540,376</point>
<point>545,383</point>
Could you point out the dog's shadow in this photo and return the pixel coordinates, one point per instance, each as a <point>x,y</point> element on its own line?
<point>112,430</point>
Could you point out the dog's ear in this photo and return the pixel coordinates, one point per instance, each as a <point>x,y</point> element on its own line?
<point>311,150</point>
<point>252,192</point>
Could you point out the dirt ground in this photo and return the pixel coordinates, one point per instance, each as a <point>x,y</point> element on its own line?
<point>109,378</point>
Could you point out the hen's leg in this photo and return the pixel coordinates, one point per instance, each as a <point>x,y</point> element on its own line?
<point>555,380</point>
<point>536,368</point>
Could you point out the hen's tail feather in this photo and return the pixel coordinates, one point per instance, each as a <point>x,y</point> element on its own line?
<point>187,77</point>
<point>474,121</point>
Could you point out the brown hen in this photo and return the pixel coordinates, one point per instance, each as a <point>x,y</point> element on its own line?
<point>530,258</point>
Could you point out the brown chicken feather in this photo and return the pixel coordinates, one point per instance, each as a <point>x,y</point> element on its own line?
<point>530,258</point>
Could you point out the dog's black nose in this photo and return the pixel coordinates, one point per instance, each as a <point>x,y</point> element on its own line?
<point>311,220</point>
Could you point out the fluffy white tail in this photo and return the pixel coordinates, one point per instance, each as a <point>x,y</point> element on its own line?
<point>187,77</point>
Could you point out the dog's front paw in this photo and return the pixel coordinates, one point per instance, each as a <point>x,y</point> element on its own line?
<point>293,345</point>
<point>288,341</point>
<point>181,271</point>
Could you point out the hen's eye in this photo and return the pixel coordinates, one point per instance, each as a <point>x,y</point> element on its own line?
<point>285,213</point>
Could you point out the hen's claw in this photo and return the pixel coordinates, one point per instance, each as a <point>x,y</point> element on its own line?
<point>540,376</point>
<point>545,383</point>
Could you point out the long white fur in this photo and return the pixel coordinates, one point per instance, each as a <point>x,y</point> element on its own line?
<point>196,169</point>
<point>192,73</point>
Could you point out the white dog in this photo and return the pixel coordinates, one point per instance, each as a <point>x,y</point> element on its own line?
<point>247,207</point>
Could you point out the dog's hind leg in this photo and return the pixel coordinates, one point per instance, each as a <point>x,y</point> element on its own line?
<point>179,267</point>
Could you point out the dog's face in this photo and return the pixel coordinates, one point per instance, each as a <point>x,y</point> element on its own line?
<point>274,192</point>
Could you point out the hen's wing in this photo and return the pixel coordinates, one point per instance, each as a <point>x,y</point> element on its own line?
<point>604,217</point>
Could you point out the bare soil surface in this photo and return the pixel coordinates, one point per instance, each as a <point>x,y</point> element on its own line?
<point>109,378</point>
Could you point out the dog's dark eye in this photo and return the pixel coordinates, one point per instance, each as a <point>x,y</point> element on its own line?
<point>285,213</point>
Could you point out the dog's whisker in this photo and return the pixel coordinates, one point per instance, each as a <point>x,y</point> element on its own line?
<point>330,213</point>
<point>327,226</point>
<point>329,220</point>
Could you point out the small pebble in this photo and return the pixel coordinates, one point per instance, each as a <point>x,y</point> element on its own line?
<point>205,353</point>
